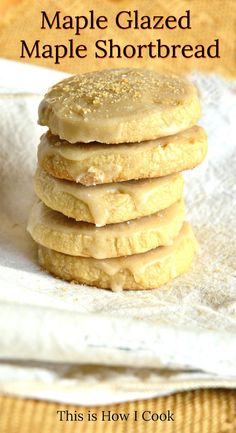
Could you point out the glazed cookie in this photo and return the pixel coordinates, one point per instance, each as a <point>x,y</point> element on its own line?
<point>119,106</point>
<point>142,271</point>
<point>91,164</point>
<point>55,231</point>
<point>108,203</point>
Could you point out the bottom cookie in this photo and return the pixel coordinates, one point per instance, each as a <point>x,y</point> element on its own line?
<point>141,271</point>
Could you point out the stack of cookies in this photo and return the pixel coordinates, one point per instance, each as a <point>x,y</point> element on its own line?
<point>110,211</point>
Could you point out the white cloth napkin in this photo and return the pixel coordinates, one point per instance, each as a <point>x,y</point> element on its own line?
<point>135,344</point>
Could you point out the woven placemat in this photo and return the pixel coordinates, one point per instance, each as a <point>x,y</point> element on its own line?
<point>201,411</point>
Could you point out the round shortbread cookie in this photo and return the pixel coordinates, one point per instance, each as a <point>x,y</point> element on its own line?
<point>95,163</point>
<point>57,232</point>
<point>119,106</point>
<point>108,203</point>
<point>141,271</point>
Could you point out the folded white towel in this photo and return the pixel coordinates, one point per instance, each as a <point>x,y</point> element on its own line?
<point>185,326</point>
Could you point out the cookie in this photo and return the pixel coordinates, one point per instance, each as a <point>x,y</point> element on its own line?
<point>92,164</point>
<point>141,271</point>
<point>119,106</point>
<point>108,203</point>
<point>55,231</point>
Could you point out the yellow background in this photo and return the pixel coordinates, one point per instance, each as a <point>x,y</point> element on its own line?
<point>210,19</point>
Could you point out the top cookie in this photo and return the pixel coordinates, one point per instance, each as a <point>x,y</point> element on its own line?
<point>119,106</point>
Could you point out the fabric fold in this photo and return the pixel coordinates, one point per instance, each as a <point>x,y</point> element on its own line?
<point>185,327</point>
